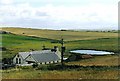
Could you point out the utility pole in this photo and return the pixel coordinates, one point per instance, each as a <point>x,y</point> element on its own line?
<point>62,51</point>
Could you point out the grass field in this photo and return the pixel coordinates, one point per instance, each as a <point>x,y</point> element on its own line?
<point>25,43</point>
<point>64,74</point>
<point>57,35</point>
<point>35,39</point>
<point>109,60</point>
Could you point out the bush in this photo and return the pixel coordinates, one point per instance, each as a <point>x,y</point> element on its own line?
<point>3,48</point>
<point>54,67</point>
<point>50,67</point>
<point>25,67</point>
<point>42,67</point>
<point>35,65</point>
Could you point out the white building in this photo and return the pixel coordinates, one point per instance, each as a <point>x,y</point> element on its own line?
<point>40,57</point>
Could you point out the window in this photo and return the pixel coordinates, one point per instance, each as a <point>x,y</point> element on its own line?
<point>57,61</point>
<point>16,60</point>
<point>17,55</point>
<point>19,60</point>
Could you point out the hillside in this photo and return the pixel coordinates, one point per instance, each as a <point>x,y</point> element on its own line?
<point>22,42</point>
<point>16,43</point>
<point>57,34</point>
<point>98,67</point>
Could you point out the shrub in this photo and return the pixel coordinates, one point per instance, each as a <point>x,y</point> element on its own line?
<point>25,67</point>
<point>42,67</point>
<point>35,65</point>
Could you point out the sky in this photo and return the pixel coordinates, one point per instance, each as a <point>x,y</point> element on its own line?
<point>59,14</point>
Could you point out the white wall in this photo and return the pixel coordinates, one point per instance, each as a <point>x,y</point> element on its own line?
<point>29,58</point>
<point>22,60</point>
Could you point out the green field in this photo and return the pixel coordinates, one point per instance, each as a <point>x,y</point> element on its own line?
<point>74,40</point>
<point>24,39</point>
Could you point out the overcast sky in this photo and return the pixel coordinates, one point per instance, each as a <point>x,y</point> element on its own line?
<point>60,14</point>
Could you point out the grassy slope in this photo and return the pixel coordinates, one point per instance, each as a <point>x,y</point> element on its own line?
<point>16,43</point>
<point>108,41</point>
<point>67,35</point>
<point>110,44</point>
<point>73,74</point>
<point>109,60</point>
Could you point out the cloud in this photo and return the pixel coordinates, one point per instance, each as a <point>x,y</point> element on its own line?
<point>6,2</point>
<point>61,16</point>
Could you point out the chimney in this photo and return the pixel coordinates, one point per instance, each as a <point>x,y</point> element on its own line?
<point>54,49</point>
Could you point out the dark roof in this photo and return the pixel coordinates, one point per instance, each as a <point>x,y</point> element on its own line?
<point>42,56</point>
<point>46,57</point>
